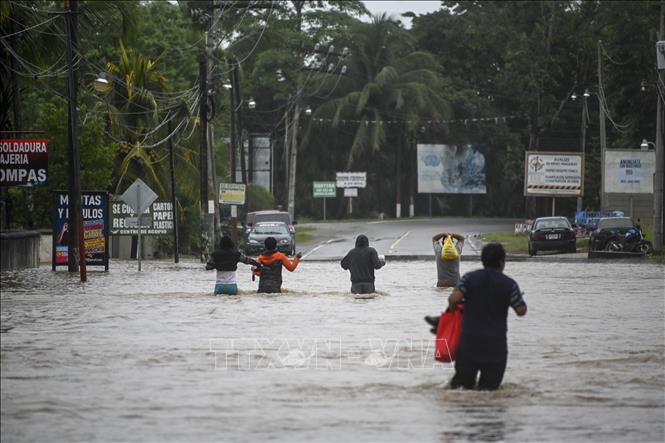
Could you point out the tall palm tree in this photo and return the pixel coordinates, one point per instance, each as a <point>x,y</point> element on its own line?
<point>389,89</point>
<point>133,113</point>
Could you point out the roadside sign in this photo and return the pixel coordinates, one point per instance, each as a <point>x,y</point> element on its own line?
<point>139,196</point>
<point>350,192</point>
<point>553,174</point>
<point>158,219</point>
<point>351,179</point>
<point>94,208</point>
<point>324,189</point>
<point>232,193</point>
<point>23,162</point>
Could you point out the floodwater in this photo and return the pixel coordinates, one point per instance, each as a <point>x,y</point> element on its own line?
<point>153,356</point>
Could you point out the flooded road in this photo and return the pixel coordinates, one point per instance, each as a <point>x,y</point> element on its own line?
<point>152,356</point>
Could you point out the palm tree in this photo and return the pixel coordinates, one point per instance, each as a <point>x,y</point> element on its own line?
<point>390,88</point>
<point>133,113</point>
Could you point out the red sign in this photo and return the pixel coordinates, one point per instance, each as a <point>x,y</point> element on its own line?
<point>23,162</point>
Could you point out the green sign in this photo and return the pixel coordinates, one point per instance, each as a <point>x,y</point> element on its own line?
<point>324,189</point>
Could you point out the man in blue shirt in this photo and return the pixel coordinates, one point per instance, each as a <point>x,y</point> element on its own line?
<point>483,347</point>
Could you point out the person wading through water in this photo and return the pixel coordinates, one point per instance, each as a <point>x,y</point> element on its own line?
<point>447,251</point>
<point>225,260</point>
<point>362,261</point>
<point>271,262</point>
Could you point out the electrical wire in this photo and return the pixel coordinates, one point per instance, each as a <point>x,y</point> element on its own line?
<point>7,36</point>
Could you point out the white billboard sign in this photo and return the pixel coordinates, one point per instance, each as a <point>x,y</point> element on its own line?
<point>554,174</point>
<point>451,169</point>
<point>351,179</point>
<point>629,171</point>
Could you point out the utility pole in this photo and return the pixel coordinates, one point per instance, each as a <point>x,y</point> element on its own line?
<point>76,247</point>
<point>211,42</point>
<point>203,158</point>
<point>294,155</point>
<point>176,256</point>
<point>583,144</point>
<point>603,136</point>
<point>660,155</point>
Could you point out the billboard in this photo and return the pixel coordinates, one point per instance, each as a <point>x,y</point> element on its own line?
<point>451,169</point>
<point>629,171</point>
<point>553,174</point>
<point>94,206</point>
<point>262,167</point>
<point>23,162</point>
<point>156,220</point>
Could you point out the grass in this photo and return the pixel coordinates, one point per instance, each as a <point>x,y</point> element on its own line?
<point>304,234</point>
<point>512,243</point>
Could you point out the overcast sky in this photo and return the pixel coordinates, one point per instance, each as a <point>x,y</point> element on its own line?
<point>396,8</point>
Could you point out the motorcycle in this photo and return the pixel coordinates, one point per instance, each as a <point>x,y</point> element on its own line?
<point>631,241</point>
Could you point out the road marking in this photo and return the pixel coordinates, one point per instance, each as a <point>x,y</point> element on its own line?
<point>332,240</point>
<point>396,242</point>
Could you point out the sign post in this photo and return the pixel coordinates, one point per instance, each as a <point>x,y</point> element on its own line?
<point>351,181</point>
<point>139,197</point>
<point>232,194</point>
<point>324,190</point>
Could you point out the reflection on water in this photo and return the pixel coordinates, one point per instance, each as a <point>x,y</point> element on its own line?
<point>153,356</point>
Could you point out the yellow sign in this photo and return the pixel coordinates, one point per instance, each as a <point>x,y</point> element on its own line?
<point>232,193</point>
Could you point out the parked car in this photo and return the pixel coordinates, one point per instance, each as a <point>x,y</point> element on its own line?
<point>611,228</point>
<point>270,216</point>
<point>552,234</point>
<point>262,230</point>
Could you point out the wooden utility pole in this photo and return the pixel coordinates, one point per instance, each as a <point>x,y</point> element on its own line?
<point>603,133</point>
<point>203,158</point>
<point>660,155</point>
<point>176,256</point>
<point>76,247</point>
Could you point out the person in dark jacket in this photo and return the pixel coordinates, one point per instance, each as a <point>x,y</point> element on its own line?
<point>225,260</point>
<point>271,262</point>
<point>362,261</point>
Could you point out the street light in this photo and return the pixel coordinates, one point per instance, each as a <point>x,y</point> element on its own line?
<point>308,110</point>
<point>251,104</point>
<point>101,84</point>
<point>645,144</point>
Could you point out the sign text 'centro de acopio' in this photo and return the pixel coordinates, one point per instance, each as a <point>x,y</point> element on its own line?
<point>23,162</point>
<point>156,220</point>
<point>324,189</point>
<point>351,179</point>
<point>553,174</point>
<point>232,193</point>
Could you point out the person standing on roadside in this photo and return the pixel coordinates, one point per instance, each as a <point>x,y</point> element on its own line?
<point>225,260</point>
<point>447,251</point>
<point>483,346</point>
<point>361,261</point>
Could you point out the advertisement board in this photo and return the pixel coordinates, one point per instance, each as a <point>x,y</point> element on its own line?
<point>351,179</point>
<point>553,174</point>
<point>23,162</point>
<point>156,220</point>
<point>451,169</point>
<point>232,193</point>
<point>324,189</point>
<point>629,171</point>
<point>94,206</point>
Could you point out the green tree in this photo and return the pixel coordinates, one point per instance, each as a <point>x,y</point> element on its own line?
<point>390,90</point>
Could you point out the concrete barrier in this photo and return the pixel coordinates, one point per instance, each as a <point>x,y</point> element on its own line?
<point>19,250</point>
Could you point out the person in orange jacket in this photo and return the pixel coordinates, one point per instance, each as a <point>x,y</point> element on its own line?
<point>271,262</point>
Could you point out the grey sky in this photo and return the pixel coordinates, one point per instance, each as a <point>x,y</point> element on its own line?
<point>396,8</point>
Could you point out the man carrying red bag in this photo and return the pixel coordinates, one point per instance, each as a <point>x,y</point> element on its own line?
<point>483,346</point>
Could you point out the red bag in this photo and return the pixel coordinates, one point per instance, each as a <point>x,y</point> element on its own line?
<point>447,335</point>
